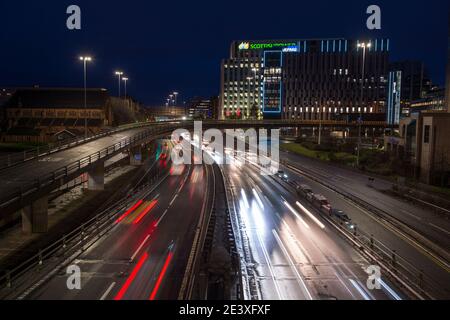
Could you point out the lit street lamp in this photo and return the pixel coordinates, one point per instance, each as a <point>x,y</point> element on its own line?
<point>175,94</point>
<point>119,74</point>
<point>125,79</point>
<point>85,61</point>
<point>362,45</point>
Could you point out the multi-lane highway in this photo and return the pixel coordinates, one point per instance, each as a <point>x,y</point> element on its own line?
<point>289,249</point>
<point>398,235</point>
<point>145,254</point>
<point>291,252</point>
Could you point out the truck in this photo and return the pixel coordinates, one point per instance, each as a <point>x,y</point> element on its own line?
<point>320,202</point>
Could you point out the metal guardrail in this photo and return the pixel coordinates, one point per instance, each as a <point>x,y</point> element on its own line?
<point>13,159</point>
<point>400,267</point>
<point>290,122</point>
<point>77,240</point>
<point>66,171</point>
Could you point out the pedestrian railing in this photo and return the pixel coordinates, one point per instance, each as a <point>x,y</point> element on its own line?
<point>29,188</point>
<point>16,158</point>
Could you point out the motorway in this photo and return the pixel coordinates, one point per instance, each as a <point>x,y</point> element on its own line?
<point>144,256</point>
<point>289,250</point>
<point>434,227</point>
<point>291,254</point>
<point>428,223</point>
<point>415,255</point>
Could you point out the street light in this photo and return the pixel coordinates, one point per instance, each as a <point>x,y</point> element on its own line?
<point>175,95</point>
<point>362,45</point>
<point>125,79</point>
<point>85,61</point>
<point>119,74</point>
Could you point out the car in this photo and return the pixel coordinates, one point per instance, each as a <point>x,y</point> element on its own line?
<point>283,176</point>
<point>343,217</point>
<point>304,190</point>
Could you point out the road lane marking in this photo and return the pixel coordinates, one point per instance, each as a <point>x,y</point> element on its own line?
<point>139,248</point>
<point>108,291</point>
<point>439,228</point>
<point>162,217</point>
<point>269,264</point>
<point>297,274</point>
<point>388,225</point>
<point>412,215</point>
<point>173,200</point>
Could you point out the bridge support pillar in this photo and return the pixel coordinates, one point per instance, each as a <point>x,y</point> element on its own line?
<point>35,217</point>
<point>96,177</point>
<point>136,156</point>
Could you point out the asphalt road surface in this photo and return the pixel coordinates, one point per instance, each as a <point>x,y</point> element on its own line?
<point>294,255</point>
<point>145,255</point>
<point>428,223</point>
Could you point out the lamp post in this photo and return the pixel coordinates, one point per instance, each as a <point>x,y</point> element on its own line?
<point>125,79</point>
<point>362,45</point>
<point>175,94</point>
<point>119,74</point>
<point>85,61</point>
<point>320,126</point>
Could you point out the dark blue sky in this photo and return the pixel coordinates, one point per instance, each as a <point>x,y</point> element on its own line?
<point>178,45</point>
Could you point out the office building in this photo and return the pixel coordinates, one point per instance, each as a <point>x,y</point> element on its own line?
<point>394,98</point>
<point>415,83</point>
<point>199,108</point>
<point>305,79</point>
<point>447,85</point>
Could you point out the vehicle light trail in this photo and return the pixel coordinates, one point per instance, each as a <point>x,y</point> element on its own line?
<point>146,210</point>
<point>130,279</point>
<point>296,214</point>
<point>258,199</point>
<point>161,276</point>
<point>360,290</point>
<point>391,292</point>
<point>320,224</point>
<point>244,197</point>
<point>129,211</point>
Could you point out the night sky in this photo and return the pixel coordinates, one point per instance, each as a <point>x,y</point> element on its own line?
<point>178,45</point>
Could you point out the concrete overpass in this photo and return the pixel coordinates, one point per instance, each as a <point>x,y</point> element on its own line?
<point>26,182</point>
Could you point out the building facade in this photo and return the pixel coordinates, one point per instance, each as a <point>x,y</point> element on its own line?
<point>199,108</point>
<point>42,114</point>
<point>415,83</point>
<point>305,79</point>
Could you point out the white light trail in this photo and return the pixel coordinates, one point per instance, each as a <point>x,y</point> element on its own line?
<point>320,224</point>
<point>296,214</point>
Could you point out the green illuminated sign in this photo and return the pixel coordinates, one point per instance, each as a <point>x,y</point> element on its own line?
<point>262,46</point>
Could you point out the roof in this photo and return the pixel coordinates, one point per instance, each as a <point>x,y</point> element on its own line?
<point>58,98</point>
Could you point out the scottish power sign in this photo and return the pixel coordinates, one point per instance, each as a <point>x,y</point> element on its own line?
<point>283,46</point>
